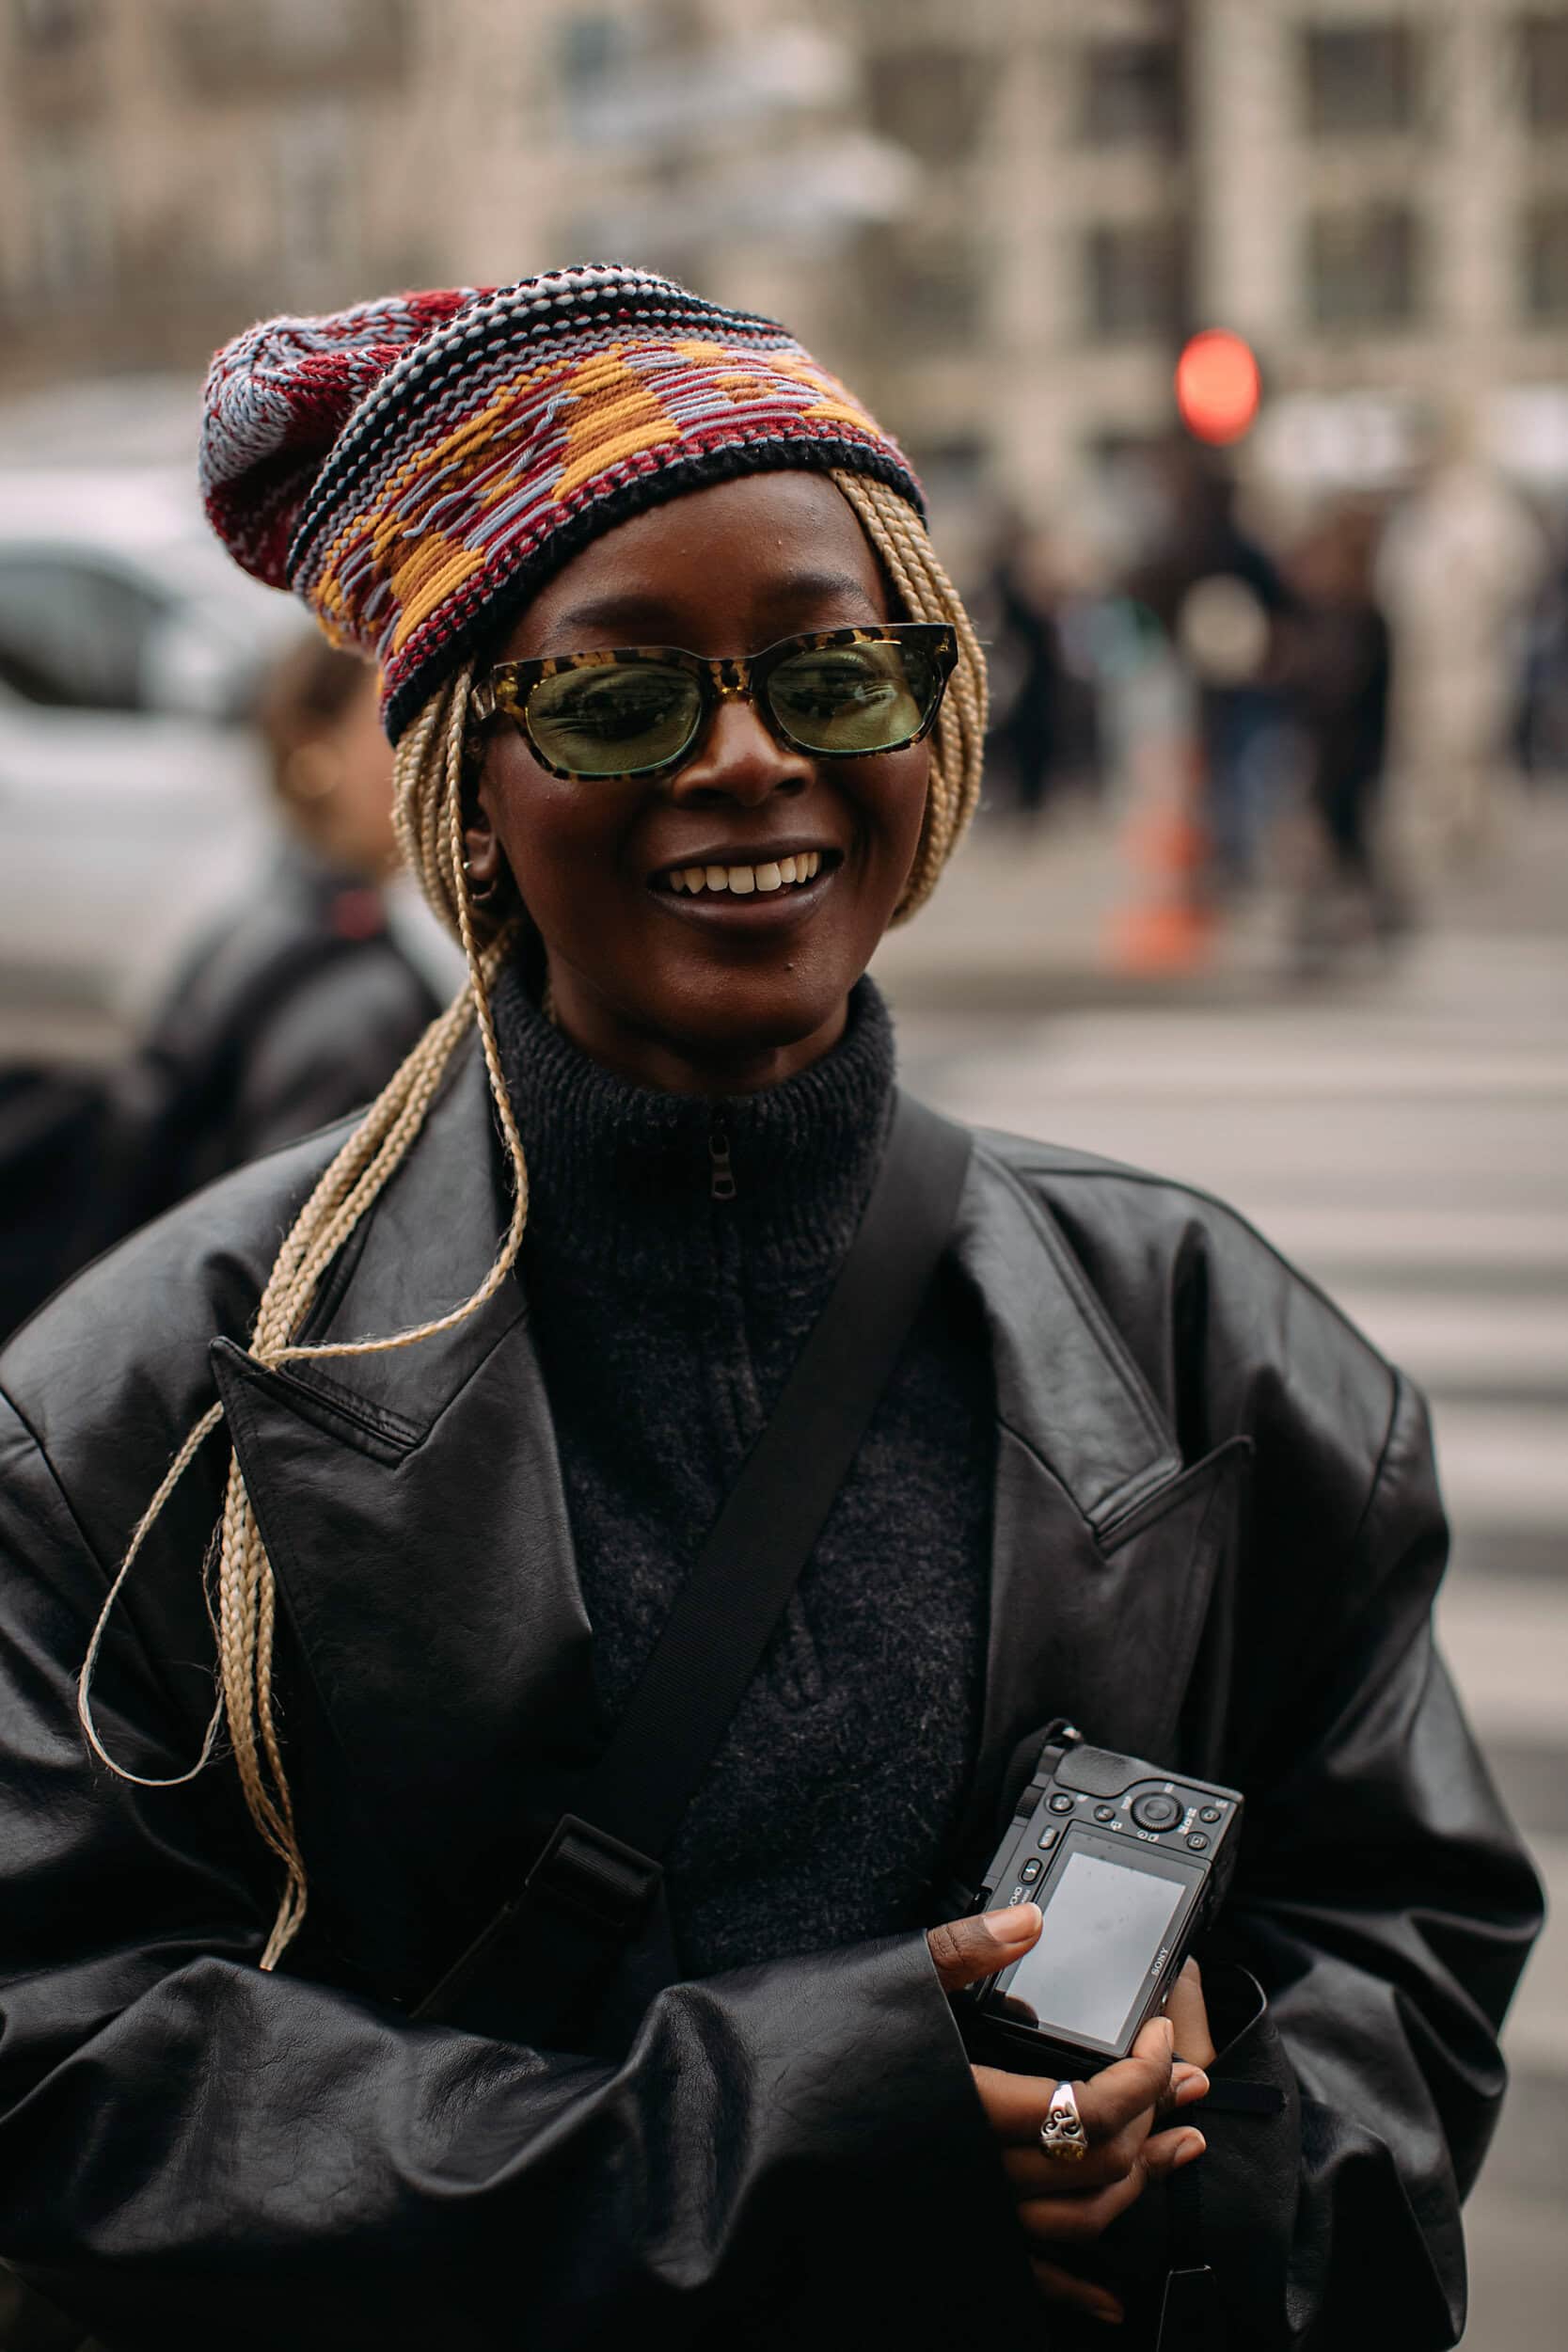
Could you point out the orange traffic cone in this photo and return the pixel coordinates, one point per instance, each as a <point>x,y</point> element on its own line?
<point>1168,926</point>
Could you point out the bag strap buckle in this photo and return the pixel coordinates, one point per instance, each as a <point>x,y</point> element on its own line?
<point>593,1876</point>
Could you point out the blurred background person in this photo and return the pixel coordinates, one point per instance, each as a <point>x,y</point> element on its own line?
<point>1462,566</point>
<point>294,1009</point>
<point>1336,668</point>
<point>1044,735</point>
<point>1222,597</point>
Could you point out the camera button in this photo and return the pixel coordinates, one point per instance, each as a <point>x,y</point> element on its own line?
<point>1060,1804</point>
<point>1210,1813</point>
<point>1031,1870</point>
<point>1197,1841</point>
<point>1154,1810</point>
<point>1104,1813</point>
<point>1048,1838</point>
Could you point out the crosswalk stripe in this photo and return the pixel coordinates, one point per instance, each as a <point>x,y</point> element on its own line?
<point>1476,1340</point>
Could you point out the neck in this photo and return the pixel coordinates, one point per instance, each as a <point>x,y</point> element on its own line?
<point>684,1064</point>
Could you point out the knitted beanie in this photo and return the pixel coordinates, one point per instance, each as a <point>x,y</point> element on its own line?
<point>415,468</point>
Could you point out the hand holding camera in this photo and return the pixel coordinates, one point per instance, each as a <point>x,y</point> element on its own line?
<point>1074,1981</point>
<point>1127,2110</point>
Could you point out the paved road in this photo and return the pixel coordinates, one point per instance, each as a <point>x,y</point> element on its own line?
<point>1407,1143</point>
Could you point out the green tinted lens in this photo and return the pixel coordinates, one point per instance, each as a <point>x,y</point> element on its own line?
<point>854,698</point>
<point>613,719</point>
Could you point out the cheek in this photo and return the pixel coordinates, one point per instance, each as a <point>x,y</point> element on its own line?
<point>894,793</point>
<point>558,837</point>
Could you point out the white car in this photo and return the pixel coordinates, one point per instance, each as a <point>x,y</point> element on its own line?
<point>133,797</point>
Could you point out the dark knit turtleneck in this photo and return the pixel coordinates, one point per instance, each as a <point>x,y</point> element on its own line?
<point>678,1250</point>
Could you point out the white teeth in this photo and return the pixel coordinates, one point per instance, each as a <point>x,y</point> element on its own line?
<point>743,879</point>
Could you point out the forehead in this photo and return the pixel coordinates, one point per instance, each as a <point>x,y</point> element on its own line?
<point>725,569</point>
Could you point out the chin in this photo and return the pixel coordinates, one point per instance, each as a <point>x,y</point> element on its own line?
<point>758,1015</point>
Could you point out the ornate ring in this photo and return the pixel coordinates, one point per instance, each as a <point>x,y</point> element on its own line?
<point>1062,2132</point>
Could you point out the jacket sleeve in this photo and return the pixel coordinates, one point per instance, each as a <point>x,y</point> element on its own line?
<point>1386,1910</point>
<point>188,2145</point>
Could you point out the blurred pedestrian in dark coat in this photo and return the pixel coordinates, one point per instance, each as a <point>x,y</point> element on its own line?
<point>1338,666</point>
<point>292,1011</point>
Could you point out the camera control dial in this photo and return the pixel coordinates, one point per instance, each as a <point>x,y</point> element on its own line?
<point>1155,1811</point>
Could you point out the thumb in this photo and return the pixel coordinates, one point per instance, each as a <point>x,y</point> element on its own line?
<point>966,1950</point>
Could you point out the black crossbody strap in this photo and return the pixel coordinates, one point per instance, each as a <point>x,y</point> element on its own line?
<point>601,1864</point>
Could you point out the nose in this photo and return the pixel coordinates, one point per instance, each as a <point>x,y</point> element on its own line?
<point>737,759</point>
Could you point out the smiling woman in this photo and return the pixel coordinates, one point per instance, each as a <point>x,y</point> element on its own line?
<point>352,1509</point>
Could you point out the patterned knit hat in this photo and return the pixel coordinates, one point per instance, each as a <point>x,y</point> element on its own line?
<point>415,468</point>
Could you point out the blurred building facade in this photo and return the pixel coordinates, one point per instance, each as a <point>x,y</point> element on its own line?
<point>997,218</point>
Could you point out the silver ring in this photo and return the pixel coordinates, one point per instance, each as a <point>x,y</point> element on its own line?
<point>1062,2132</point>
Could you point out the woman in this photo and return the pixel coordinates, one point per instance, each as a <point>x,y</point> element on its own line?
<point>456,1489</point>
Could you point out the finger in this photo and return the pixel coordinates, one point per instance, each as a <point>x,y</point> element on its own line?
<point>1036,2173</point>
<point>1132,2086</point>
<point>1188,2084</point>
<point>1060,2286</point>
<point>1189,2016</point>
<point>1078,2221</point>
<point>1167,2151</point>
<point>967,1950</point>
<point>1015,2104</point>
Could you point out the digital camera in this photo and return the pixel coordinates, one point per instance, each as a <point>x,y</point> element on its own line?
<point>1129,1865</point>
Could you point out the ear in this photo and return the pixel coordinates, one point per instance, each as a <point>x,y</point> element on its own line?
<point>482,849</point>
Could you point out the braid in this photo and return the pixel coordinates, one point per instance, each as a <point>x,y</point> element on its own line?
<point>428,773</point>
<point>926,594</point>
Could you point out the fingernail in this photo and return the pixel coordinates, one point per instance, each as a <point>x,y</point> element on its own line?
<point>1187,2083</point>
<point>1014,1926</point>
<point>1190,2144</point>
<point>1109,2315</point>
<point>1169,2032</point>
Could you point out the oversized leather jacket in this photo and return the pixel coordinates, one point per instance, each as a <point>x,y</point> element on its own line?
<point>1216,1539</point>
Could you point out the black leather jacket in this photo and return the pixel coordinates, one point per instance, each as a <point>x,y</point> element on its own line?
<point>1217,1537</point>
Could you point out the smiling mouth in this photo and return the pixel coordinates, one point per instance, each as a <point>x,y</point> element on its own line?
<point>769,875</point>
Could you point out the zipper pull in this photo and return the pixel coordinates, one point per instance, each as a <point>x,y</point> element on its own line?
<point>723,1172</point>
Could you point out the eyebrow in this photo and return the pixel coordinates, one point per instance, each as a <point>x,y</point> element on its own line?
<point>636,609</point>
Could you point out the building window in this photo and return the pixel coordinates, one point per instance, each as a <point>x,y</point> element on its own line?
<point>1542,59</point>
<point>1131,93</point>
<point>1362,266</point>
<point>925,289</point>
<point>1133,279</point>
<point>1359,79</point>
<point>932,101</point>
<point>1545,262</point>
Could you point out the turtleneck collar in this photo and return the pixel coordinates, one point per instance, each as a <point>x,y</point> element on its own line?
<point>628,1179</point>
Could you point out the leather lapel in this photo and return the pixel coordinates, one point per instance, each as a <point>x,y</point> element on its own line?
<point>411,1504</point>
<point>1101,1555</point>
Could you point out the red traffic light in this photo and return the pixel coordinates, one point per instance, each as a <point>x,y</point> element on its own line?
<point>1218,386</point>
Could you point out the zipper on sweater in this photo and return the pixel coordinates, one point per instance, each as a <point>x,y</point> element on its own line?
<point>722,1183</point>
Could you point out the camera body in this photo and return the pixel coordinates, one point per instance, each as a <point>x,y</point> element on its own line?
<point>1129,1865</point>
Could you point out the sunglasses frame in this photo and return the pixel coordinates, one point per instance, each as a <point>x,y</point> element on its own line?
<point>509,688</point>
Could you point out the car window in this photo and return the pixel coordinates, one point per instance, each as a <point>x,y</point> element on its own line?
<point>73,636</point>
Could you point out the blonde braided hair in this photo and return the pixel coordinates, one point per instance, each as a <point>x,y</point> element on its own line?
<point>429,778</point>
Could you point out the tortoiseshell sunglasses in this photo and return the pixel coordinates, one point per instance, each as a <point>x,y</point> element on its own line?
<point>640,710</point>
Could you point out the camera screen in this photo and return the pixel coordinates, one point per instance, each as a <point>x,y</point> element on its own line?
<point>1103,1925</point>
